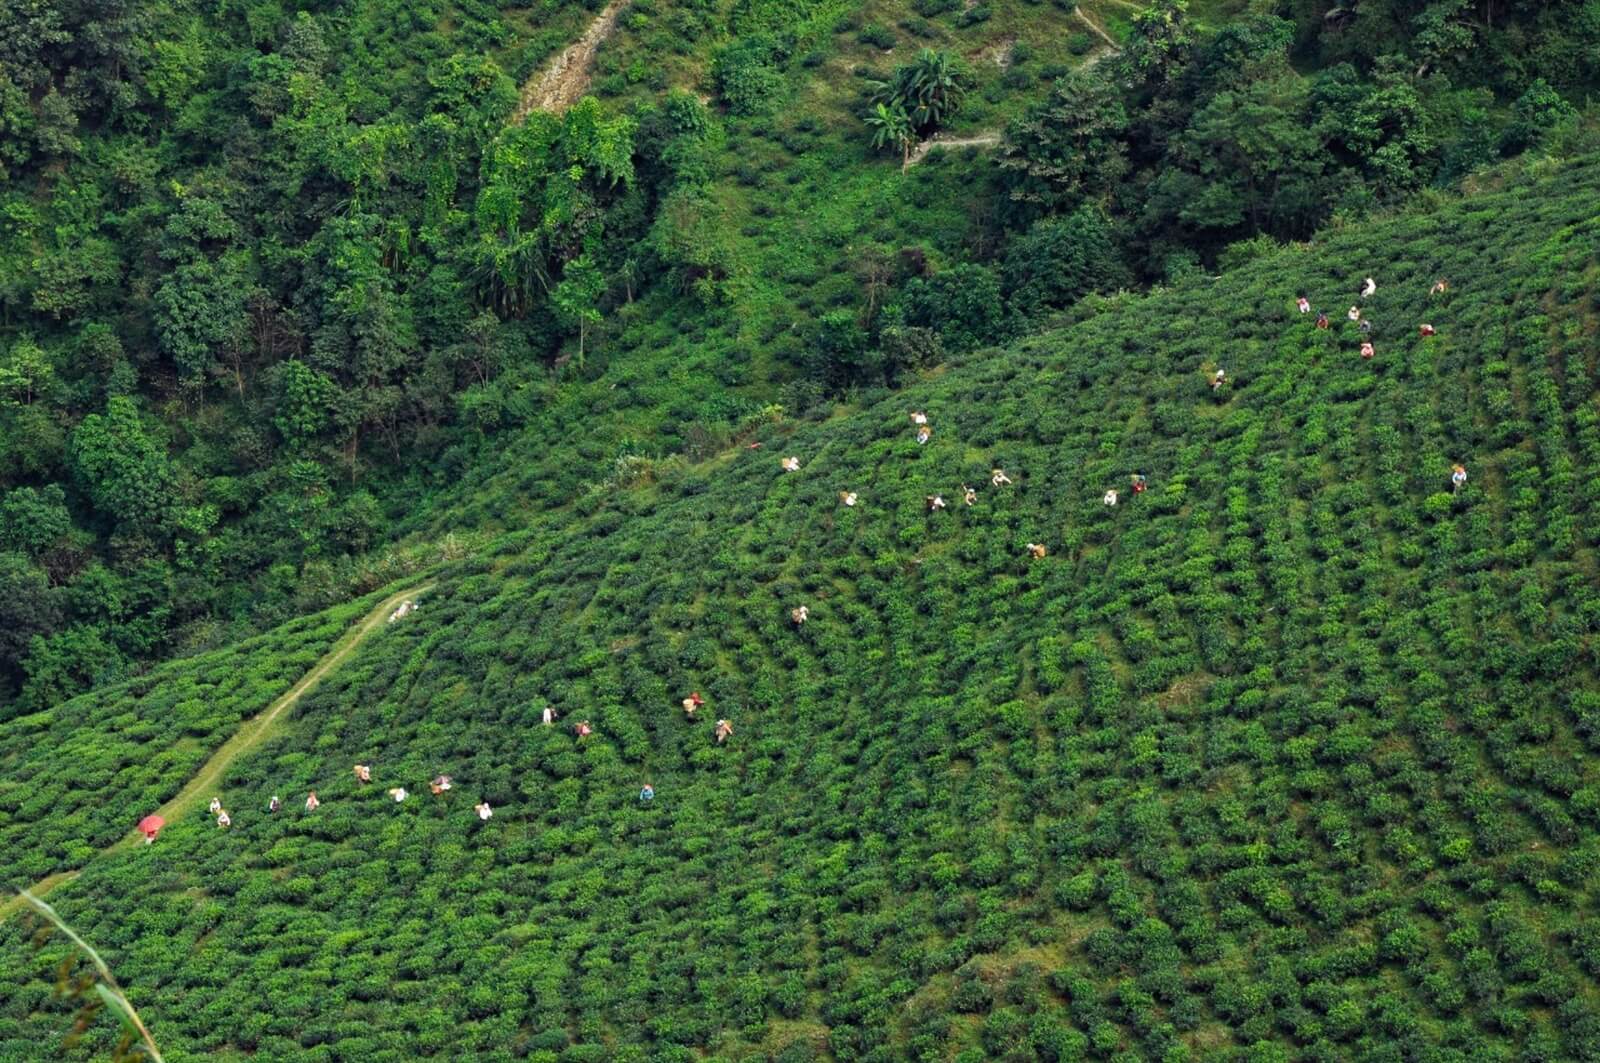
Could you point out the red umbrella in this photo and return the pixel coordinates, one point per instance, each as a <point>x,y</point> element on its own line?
<point>150,826</point>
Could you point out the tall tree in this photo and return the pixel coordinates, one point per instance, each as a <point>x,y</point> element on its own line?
<point>124,469</point>
<point>1158,46</point>
<point>1068,149</point>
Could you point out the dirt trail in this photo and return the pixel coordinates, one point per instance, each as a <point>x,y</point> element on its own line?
<point>250,735</point>
<point>563,82</point>
<point>1095,26</point>
<point>982,140</point>
<point>986,140</point>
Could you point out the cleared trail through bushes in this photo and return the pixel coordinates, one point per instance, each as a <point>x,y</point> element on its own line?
<point>560,84</point>
<point>989,140</point>
<point>983,140</point>
<point>252,734</point>
<point>1095,26</point>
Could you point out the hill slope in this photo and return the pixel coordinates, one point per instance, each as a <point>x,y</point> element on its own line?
<point>1294,755</point>
<point>270,274</point>
<point>76,777</point>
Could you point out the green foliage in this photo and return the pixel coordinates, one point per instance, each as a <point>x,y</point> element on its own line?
<point>136,1043</point>
<point>199,314</point>
<point>33,519</point>
<point>28,608</point>
<point>747,75</point>
<point>1536,112</point>
<point>78,774</point>
<point>1068,148</point>
<point>891,128</point>
<point>928,90</point>
<point>1293,754</point>
<point>305,401</point>
<point>962,304</point>
<point>1158,45</point>
<point>124,469</point>
<point>288,300</point>
<point>1060,260</point>
<point>334,268</point>
<point>26,374</point>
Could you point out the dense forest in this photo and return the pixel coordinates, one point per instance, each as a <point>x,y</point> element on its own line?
<point>275,276</point>
<point>1293,755</point>
<point>1285,750</point>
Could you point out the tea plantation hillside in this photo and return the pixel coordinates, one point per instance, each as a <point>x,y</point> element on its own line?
<point>75,777</point>
<point>1295,755</point>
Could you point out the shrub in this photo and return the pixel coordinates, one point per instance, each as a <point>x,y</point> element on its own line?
<point>878,36</point>
<point>1060,260</point>
<point>963,305</point>
<point>747,76</point>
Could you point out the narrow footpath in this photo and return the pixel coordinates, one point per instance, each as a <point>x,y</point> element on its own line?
<point>982,140</point>
<point>248,737</point>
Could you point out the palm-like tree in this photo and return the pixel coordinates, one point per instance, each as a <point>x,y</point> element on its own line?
<point>929,89</point>
<point>891,128</point>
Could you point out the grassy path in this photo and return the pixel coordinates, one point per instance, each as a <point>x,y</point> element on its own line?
<point>1095,26</point>
<point>250,735</point>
